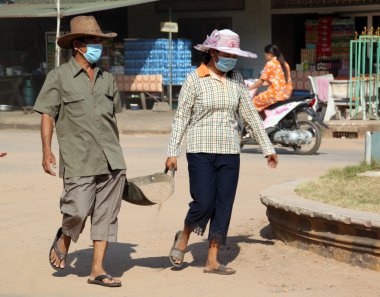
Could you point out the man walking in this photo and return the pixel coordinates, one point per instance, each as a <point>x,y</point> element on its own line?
<point>81,99</point>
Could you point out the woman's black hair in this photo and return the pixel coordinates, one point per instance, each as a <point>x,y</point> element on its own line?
<point>274,50</point>
<point>206,57</point>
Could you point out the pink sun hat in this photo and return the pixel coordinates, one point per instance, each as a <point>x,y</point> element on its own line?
<point>225,41</point>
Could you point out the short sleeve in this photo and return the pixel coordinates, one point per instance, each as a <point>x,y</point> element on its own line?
<point>267,71</point>
<point>49,99</point>
<point>116,96</point>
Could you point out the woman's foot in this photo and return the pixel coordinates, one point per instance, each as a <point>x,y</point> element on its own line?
<point>178,250</point>
<point>219,269</point>
<point>212,265</point>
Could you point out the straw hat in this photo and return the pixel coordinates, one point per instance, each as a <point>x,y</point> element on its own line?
<point>82,26</point>
<point>225,41</point>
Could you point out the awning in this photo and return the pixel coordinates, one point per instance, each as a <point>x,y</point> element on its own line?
<point>48,9</point>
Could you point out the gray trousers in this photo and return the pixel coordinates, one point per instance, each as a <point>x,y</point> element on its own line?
<point>97,196</point>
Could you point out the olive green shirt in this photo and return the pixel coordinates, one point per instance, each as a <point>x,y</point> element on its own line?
<point>84,113</point>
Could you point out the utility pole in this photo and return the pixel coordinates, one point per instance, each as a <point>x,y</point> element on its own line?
<point>57,48</point>
<point>170,28</point>
<point>170,60</point>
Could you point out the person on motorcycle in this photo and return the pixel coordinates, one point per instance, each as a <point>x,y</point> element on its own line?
<point>275,75</point>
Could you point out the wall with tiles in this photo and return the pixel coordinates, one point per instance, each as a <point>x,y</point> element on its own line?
<point>253,25</point>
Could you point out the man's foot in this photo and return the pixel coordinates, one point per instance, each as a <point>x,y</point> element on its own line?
<point>59,251</point>
<point>104,279</point>
<point>178,250</point>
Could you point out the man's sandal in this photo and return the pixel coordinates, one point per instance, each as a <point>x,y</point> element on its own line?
<point>99,280</point>
<point>60,255</point>
<point>176,254</point>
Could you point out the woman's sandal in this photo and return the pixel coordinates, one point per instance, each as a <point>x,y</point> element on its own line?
<point>176,254</point>
<point>222,270</point>
<point>57,251</point>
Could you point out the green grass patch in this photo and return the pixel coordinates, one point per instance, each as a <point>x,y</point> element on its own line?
<point>343,187</point>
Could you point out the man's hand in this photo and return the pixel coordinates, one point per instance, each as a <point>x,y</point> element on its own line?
<point>3,154</point>
<point>272,160</point>
<point>48,161</point>
<point>171,162</point>
<point>48,158</point>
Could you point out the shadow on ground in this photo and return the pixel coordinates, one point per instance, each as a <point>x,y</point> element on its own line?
<point>227,254</point>
<point>267,233</point>
<point>119,257</point>
<point>252,149</point>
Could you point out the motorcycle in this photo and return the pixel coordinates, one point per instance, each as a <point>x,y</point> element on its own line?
<point>292,123</point>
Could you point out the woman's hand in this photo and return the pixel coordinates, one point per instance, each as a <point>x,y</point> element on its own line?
<point>171,162</point>
<point>272,160</point>
<point>256,84</point>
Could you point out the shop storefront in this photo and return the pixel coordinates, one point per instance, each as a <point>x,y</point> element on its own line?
<point>316,35</point>
<point>27,48</point>
<point>313,35</point>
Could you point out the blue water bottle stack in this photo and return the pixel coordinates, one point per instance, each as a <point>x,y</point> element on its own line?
<point>151,56</point>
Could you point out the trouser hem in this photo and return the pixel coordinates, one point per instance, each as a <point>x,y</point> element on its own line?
<point>103,237</point>
<point>220,239</point>
<point>196,229</point>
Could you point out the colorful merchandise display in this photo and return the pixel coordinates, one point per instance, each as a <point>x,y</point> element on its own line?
<point>327,45</point>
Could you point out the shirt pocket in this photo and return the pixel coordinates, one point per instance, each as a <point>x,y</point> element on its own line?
<point>108,105</point>
<point>74,105</point>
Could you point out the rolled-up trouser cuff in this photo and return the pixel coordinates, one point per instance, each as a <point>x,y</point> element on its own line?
<point>73,235</point>
<point>104,237</point>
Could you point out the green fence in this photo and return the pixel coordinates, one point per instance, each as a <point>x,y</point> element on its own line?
<point>365,75</point>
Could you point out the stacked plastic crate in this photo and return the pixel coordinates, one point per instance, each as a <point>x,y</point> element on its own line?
<point>343,30</point>
<point>151,56</point>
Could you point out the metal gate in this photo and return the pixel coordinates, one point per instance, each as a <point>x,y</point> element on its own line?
<point>365,74</point>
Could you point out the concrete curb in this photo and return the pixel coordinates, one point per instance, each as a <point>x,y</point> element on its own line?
<point>153,122</point>
<point>129,122</point>
<point>350,128</point>
<point>343,234</point>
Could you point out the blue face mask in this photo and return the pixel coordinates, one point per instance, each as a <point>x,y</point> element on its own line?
<point>225,64</point>
<point>94,52</point>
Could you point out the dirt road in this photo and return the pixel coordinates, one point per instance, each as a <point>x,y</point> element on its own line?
<point>29,217</point>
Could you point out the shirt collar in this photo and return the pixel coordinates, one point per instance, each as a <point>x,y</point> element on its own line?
<point>203,71</point>
<point>76,68</point>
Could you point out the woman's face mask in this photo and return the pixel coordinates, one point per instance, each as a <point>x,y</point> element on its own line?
<point>225,64</point>
<point>93,53</point>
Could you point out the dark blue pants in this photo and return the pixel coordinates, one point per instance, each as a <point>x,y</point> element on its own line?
<point>213,183</point>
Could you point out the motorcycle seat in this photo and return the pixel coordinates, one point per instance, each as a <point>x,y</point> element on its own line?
<point>290,100</point>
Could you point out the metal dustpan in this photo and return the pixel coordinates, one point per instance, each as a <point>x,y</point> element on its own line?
<point>150,189</point>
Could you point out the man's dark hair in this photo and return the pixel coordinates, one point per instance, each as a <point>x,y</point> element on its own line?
<point>80,39</point>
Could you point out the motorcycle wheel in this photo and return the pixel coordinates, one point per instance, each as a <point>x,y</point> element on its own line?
<point>313,146</point>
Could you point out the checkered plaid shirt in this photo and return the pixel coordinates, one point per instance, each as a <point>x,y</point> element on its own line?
<point>208,109</point>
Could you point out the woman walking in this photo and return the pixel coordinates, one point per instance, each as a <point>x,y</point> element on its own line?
<point>208,106</point>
